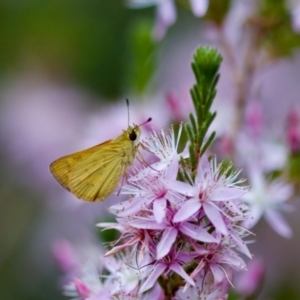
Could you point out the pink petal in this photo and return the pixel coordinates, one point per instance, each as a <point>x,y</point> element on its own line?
<point>215,217</point>
<point>166,242</point>
<point>172,168</point>
<point>122,246</point>
<point>180,271</point>
<point>200,266</point>
<point>155,293</point>
<point>166,12</point>
<point>151,280</point>
<point>103,295</point>
<point>146,224</point>
<point>186,256</point>
<point>130,285</point>
<point>199,7</point>
<point>130,207</point>
<point>188,208</point>
<point>233,260</point>
<point>65,255</point>
<point>217,272</point>
<point>278,223</point>
<point>181,187</point>
<point>159,209</point>
<point>108,225</point>
<point>241,244</point>
<point>203,167</point>
<point>233,207</point>
<point>81,288</point>
<point>226,193</point>
<point>253,216</point>
<point>196,232</point>
<point>165,17</point>
<point>250,281</point>
<point>296,18</point>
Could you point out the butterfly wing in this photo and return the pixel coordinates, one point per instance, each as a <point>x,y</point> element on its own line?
<point>95,177</point>
<point>61,167</point>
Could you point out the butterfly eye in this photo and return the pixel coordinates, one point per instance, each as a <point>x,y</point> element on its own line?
<point>132,135</point>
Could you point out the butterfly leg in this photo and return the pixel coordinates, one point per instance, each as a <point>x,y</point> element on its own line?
<point>122,182</point>
<point>143,161</point>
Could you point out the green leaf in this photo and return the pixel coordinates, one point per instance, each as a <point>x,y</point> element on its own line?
<point>205,66</point>
<point>217,11</point>
<point>274,24</point>
<point>142,58</point>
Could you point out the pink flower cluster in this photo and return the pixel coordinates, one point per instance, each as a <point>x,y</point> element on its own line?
<point>180,238</point>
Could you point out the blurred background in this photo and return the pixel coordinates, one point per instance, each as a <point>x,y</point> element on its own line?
<point>66,68</point>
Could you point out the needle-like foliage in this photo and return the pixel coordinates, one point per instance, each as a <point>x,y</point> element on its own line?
<point>205,66</point>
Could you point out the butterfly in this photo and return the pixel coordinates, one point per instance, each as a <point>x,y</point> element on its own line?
<point>94,173</point>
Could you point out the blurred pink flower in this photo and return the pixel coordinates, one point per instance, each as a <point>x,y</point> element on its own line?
<point>226,146</point>
<point>268,199</point>
<point>293,130</point>
<point>82,289</point>
<point>254,119</point>
<point>179,103</point>
<point>65,256</point>
<point>206,288</point>
<point>249,282</point>
<point>199,7</point>
<point>87,285</point>
<point>294,7</point>
<point>264,152</point>
<point>121,279</point>
<point>39,122</point>
<point>166,12</point>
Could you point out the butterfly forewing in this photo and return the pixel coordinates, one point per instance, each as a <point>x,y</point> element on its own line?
<point>96,176</point>
<point>61,167</point>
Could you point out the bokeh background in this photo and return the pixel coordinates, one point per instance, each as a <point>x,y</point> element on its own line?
<point>66,68</point>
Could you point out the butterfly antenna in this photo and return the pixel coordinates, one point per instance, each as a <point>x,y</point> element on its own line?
<point>149,120</point>
<point>127,102</point>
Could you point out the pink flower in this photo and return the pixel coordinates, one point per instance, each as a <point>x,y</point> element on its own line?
<point>169,230</point>
<point>214,257</point>
<point>205,288</point>
<point>82,289</point>
<point>208,193</point>
<point>294,6</point>
<point>293,130</point>
<point>65,256</point>
<point>173,262</point>
<point>138,238</point>
<point>264,152</point>
<point>149,191</point>
<point>268,199</point>
<point>251,281</point>
<point>254,119</point>
<point>166,12</point>
<point>86,285</point>
<point>199,7</point>
<point>121,280</point>
<point>164,146</point>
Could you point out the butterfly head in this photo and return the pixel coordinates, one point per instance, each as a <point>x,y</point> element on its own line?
<point>133,134</point>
